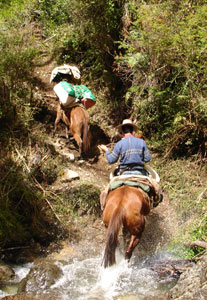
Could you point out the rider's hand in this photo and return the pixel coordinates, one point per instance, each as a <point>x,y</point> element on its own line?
<point>103,148</point>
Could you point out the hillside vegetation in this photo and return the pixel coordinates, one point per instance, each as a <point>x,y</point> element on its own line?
<point>146,60</point>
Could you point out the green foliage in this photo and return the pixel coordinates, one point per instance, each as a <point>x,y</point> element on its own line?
<point>88,36</point>
<point>15,13</point>
<point>16,71</point>
<point>184,180</point>
<point>165,62</point>
<point>177,248</point>
<point>11,229</point>
<point>198,231</point>
<point>159,76</point>
<point>20,218</point>
<point>52,13</point>
<point>85,197</point>
<point>195,232</point>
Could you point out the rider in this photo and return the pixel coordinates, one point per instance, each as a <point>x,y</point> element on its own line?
<point>133,151</point>
<point>66,91</point>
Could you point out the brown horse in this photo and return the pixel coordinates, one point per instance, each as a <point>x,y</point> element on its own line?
<point>125,206</point>
<point>77,120</point>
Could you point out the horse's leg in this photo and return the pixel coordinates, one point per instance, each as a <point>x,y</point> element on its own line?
<point>79,142</point>
<point>133,243</point>
<point>135,238</point>
<point>126,237</point>
<point>66,120</point>
<point>57,121</point>
<point>67,132</point>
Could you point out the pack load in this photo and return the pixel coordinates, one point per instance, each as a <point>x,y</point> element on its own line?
<point>81,91</point>
<point>77,91</point>
<point>69,88</point>
<point>65,69</point>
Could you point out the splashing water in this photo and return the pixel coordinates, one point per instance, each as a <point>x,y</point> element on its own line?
<point>20,272</point>
<point>88,280</point>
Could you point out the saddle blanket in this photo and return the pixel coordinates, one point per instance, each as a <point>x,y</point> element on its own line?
<point>114,185</point>
<point>148,185</point>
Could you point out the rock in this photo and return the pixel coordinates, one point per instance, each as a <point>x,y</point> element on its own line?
<point>20,297</point>
<point>67,253</point>
<point>68,175</point>
<point>129,297</point>
<point>33,297</point>
<point>6,273</point>
<point>192,283</point>
<point>40,277</point>
<point>70,156</point>
<point>81,161</point>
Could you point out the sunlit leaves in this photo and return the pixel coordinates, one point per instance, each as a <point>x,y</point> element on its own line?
<point>171,39</point>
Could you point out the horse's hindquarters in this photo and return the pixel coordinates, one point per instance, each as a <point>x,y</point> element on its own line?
<point>125,206</point>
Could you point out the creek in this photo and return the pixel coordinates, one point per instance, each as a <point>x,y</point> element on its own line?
<point>86,279</point>
<point>148,275</point>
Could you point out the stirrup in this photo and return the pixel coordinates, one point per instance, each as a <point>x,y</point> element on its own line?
<point>155,204</point>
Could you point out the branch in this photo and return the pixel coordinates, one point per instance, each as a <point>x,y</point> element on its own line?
<point>200,244</point>
<point>48,202</point>
<point>200,196</point>
<point>14,248</point>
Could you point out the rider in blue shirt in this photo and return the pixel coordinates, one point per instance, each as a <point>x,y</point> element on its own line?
<point>132,151</point>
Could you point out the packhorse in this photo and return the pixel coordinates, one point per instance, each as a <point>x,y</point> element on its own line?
<point>125,206</point>
<point>76,120</point>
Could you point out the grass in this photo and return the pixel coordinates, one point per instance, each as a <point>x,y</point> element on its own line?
<point>185,182</point>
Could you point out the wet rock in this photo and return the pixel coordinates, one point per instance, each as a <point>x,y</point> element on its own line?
<point>171,268</point>
<point>40,278</point>
<point>129,297</point>
<point>52,296</point>
<point>192,284</point>
<point>6,273</point>
<point>67,253</point>
<point>161,296</point>
<point>20,297</point>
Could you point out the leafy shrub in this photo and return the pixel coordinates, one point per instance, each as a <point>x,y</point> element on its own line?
<point>165,63</point>
<point>11,228</point>
<point>21,216</point>
<point>16,73</point>
<point>52,13</point>
<point>85,197</point>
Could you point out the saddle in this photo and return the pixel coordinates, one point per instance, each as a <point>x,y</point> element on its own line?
<point>149,185</point>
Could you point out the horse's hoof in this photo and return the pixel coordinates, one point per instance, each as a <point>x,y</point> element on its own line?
<point>128,256</point>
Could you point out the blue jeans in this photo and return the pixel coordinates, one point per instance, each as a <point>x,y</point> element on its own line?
<point>142,172</point>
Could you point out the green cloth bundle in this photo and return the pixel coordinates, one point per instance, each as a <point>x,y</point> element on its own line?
<point>78,91</point>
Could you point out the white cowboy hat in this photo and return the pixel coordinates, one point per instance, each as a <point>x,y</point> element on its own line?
<point>127,122</point>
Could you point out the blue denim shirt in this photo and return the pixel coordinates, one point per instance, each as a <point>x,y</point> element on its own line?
<point>130,150</point>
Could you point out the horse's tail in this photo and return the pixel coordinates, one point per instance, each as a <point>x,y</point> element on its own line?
<point>86,136</point>
<point>112,237</point>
